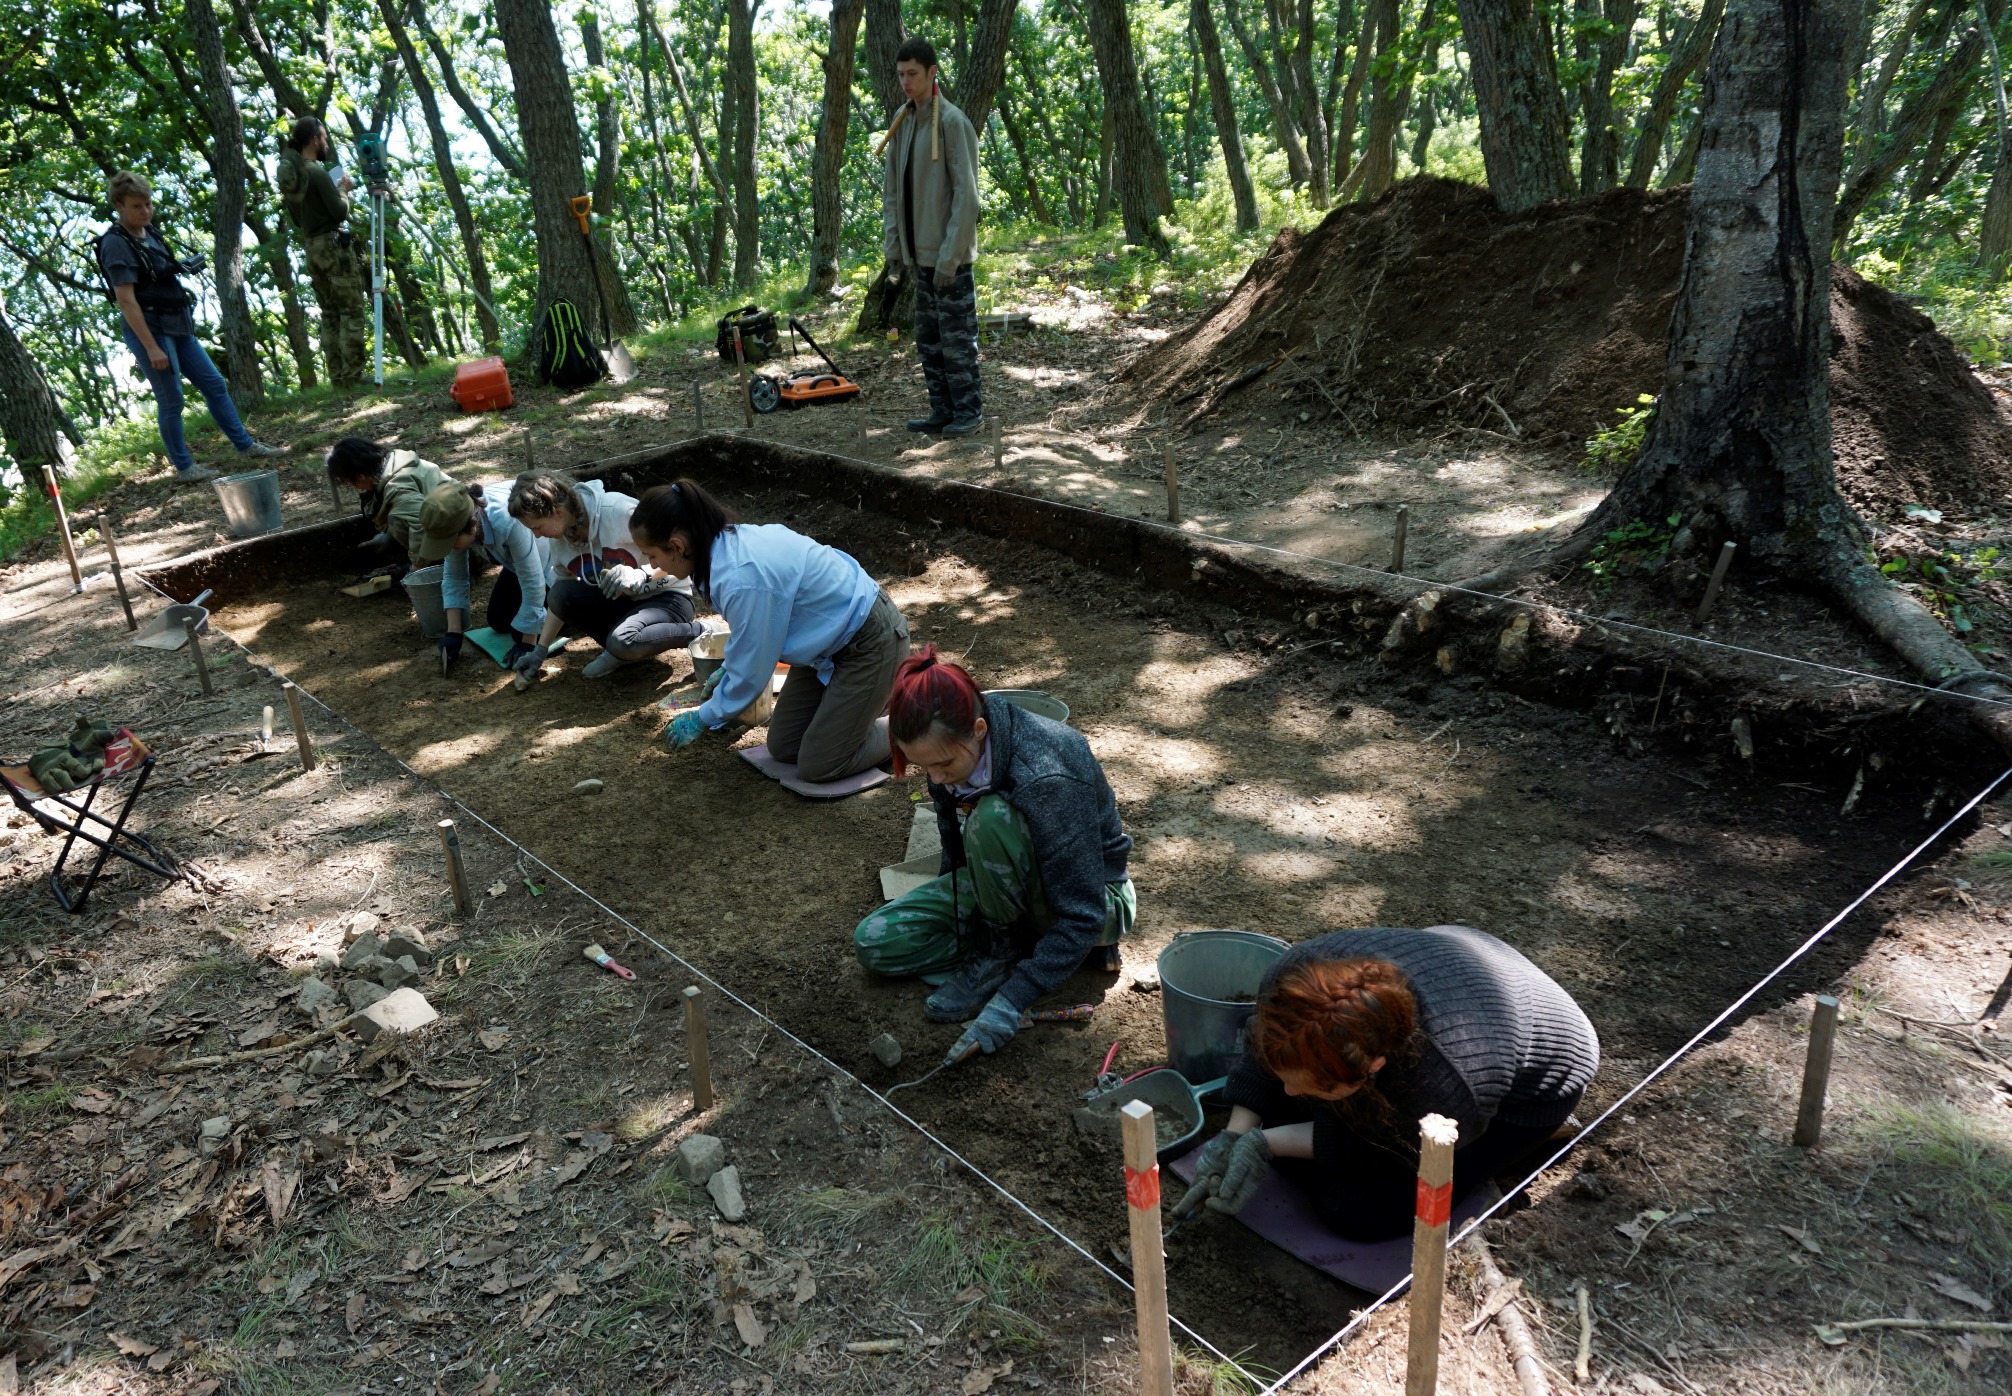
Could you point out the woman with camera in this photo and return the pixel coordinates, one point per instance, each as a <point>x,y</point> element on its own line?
<point>142,276</point>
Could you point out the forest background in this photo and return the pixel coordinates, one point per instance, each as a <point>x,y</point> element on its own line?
<point>1152,146</point>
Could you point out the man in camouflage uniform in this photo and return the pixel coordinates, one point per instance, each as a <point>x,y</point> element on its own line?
<point>316,207</point>
<point>929,202</point>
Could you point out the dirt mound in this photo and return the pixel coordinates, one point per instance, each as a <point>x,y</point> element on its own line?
<point>1430,306</point>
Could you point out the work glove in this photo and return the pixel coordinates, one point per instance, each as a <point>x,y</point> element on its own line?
<point>619,581</point>
<point>528,662</point>
<point>945,279</point>
<point>712,682</point>
<point>450,650</point>
<point>685,728</point>
<point>992,1029</point>
<point>1249,1165</point>
<point>516,652</point>
<point>1210,1166</point>
<point>378,543</point>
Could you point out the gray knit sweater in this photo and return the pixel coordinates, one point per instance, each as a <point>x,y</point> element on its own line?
<point>1497,1038</point>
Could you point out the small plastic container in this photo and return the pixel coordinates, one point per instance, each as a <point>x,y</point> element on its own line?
<point>482,386</point>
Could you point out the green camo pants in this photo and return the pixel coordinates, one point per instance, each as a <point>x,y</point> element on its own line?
<point>1000,884</point>
<point>342,290</point>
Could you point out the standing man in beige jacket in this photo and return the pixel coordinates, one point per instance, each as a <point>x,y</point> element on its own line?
<point>929,200</point>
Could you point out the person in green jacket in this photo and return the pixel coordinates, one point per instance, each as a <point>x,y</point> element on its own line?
<point>315,204</point>
<point>393,486</point>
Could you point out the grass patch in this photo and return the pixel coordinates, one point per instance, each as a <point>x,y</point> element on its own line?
<point>660,1288</point>
<point>1953,1169</point>
<point>36,1105</point>
<point>515,954</point>
<point>834,1214</point>
<point>1198,1374</point>
<point>942,1262</point>
<point>664,1188</point>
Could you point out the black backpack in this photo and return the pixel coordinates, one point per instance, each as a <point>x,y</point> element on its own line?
<point>567,358</point>
<point>758,335</point>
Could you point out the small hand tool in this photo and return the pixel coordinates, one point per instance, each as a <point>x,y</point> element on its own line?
<point>607,962</point>
<point>952,1060</point>
<point>1080,1013</point>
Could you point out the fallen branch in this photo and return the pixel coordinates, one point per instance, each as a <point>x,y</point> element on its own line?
<point>233,1058</point>
<point>1501,1306</point>
<point>1582,1361</point>
<point>1931,1325</point>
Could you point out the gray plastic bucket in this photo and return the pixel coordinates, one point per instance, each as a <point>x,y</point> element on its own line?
<point>1208,992</point>
<point>251,502</point>
<point>423,587</point>
<point>1032,700</point>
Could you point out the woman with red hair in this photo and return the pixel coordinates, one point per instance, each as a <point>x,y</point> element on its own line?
<point>1033,876</point>
<point>1360,1034</point>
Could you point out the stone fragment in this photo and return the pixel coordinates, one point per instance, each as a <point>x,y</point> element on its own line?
<point>362,924</point>
<point>397,947</point>
<point>215,1130</point>
<point>699,1157</point>
<point>401,1010</point>
<point>725,1187</point>
<point>589,786</point>
<point>362,994</point>
<point>313,994</point>
<point>394,974</point>
<point>322,1064</point>
<point>326,965</point>
<point>361,949</point>
<point>886,1050</point>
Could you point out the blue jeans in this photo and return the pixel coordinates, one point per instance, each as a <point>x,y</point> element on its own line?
<point>186,356</point>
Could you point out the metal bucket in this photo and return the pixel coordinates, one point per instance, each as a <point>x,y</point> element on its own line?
<point>1208,992</point>
<point>423,587</point>
<point>1032,700</point>
<point>708,652</point>
<point>251,502</point>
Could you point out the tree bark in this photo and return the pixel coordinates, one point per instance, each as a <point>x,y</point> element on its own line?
<point>450,179</point>
<point>1297,168</point>
<point>279,265</point>
<point>1037,206</point>
<point>1917,119</point>
<point>1600,147</point>
<point>1524,132</point>
<point>1139,166</point>
<point>227,266</point>
<point>1994,227</point>
<point>607,120</point>
<point>1223,103</point>
<point>506,154</point>
<point>1428,111</point>
<point>1377,170</point>
<point>977,87</point>
<point>747,119</point>
<point>1690,55</point>
<point>31,421</point>
<point>1351,100</point>
<point>827,170</point>
<point>884,36</point>
<point>1312,116</point>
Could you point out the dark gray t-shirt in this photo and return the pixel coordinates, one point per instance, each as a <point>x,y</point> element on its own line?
<point>120,261</point>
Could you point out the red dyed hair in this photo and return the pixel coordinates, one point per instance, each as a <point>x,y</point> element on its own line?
<point>1332,1018</point>
<point>931,694</point>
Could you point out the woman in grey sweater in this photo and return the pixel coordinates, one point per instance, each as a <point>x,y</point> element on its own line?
<point>1360,1034</point>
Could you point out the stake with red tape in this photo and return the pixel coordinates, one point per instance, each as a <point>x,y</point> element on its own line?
<point>1437,1136</point>
<point>1149,1258</point>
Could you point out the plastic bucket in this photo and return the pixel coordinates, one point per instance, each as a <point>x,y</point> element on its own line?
<point>251,502</point>
<point>1032,700</point>
<point>423,587</point>
<point>1208,992</point>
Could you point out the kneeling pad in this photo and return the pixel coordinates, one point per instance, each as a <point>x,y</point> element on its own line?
<point>785,772</point>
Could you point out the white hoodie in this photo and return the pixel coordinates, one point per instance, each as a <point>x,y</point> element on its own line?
<point>608,542</point>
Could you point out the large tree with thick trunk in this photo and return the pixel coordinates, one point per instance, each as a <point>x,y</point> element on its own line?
<point>227,264</point>
<point>1525,135</point>
<point>827,167</point>
<point>31,422</point>
<point>1223,103</point>
<point>1139,165</point>
<point>746,122</point>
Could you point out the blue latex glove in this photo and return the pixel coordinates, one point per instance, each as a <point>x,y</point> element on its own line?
<point>685,728</point>
<point>992,1029</point>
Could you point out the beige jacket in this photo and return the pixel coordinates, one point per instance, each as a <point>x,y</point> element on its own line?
<point>946,188</point>
<point>394,504</point>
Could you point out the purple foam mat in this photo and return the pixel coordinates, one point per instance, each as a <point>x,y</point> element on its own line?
<point>785,773</point>
<point>1282,1215</point>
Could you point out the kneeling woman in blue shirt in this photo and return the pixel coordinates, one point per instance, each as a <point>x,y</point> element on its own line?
<point>787,598</point>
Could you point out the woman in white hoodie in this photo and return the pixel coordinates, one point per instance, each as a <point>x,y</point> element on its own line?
<point>601,587</point>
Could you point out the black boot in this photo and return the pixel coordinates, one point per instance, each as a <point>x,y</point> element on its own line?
<point>931,424</point>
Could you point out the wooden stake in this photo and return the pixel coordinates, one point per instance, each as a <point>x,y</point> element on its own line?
<point>740,361</point>
<point>1718,579</point>
<point>63,527</point>
<point>1173,487</point>
<point>334,492</point>
<point>118,576</point>
<point>998,443</point>
<point>189,624</point>
<point>265,729</point>
<point>1436,1135</point>
<point>701,1050</point>
<point>1149,1259</point>
<point>530,456</point>
<point>699,406</point>
<point>457,879</point>
<point>1397,538</point>
<point>1816,1073</point>
<point>303,743</point>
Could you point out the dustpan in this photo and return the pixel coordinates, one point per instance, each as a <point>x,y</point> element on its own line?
<point>167,631</point>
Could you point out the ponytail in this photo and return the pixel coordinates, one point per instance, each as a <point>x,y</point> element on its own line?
<point>682,508</point>
<point>931,694</point>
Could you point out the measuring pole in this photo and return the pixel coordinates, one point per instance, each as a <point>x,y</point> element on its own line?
<point>377,284</point>
<point>63,528</point>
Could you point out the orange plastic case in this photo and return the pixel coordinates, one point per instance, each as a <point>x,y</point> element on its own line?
<point>482,386</point>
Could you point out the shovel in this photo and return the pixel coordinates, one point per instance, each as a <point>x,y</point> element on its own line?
<point>621,368</point>
<point>166,631</point>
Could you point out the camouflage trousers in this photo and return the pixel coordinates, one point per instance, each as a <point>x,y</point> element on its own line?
<point>946,340</point>
<point>931,929</point>
<point>341,289</point>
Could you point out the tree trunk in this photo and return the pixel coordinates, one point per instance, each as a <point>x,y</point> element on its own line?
<point>827,169</point>
<point>1994,228</point>
<point>227,266</point>
<point>607,121</point>
<point>1690,54</point>
<point>1428,111</point>
<point>1917,119</point>
<point>1351,100</point>
<point>551,136</point>
<point>977,86</point>
<point>279,265</point>
<point>450,179</point>
<point>884,37</point>
<point>747,119</point>
<point>1600,147</point>
<point>30,419</point>
<point>1377,170</point>
<point>1312,117</point>
<point>1287,130</point>
<point>1524,133</point>
<point>1037,206</point>
<point>1139,166</point>
<point>506,154</point>
<point>1223,102</point>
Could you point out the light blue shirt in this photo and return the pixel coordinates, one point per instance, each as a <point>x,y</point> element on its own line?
<point>788,598</point>
<point>508,544</point>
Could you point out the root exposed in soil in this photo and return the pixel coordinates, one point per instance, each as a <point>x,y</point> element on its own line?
<point>1431,306</point>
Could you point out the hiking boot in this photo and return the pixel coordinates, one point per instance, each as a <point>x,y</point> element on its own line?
<point>976,981</point>
<point>194,475</point>
<point>602,665</point>
<point>258,450</point>
<point>929,424</point>
<point>964,426</point>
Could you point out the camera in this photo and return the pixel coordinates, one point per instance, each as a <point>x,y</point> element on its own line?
<point>191,266</point>
<point>372,158</point>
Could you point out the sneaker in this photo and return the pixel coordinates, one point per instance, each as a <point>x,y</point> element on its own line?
<point>602,665</point>
<point>928,424</point>
<point>258,450</point>
<point>964,426</point>
<point>975,981</point>
<point>194,475</point>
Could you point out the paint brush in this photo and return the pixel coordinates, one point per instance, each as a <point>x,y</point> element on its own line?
<point>607,962</point>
